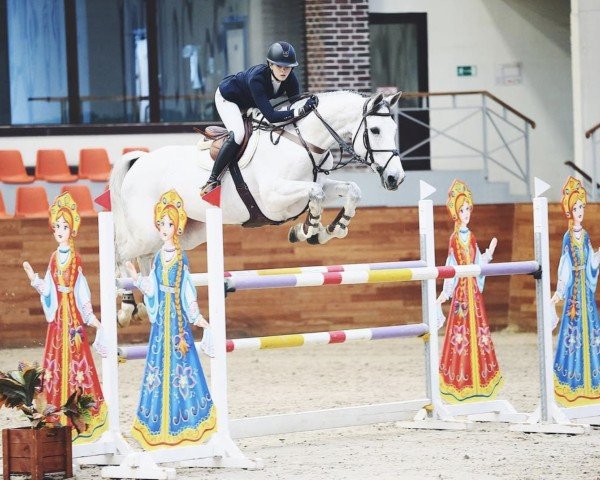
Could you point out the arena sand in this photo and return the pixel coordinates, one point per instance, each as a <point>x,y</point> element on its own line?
<point>314,377</point>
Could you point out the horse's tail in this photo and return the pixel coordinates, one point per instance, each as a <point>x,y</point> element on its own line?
<point>119,170</point>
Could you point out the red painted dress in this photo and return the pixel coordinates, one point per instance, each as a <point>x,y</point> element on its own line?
<point>469,369</point>
<point>68,361</point>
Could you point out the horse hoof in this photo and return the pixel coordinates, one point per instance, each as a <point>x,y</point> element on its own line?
<point>292,236</point>
<point>142,312</point>
<point>124,318</point>
<point>314,240</point>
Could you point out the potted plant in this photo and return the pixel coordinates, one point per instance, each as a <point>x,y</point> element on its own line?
<point>44,446</point>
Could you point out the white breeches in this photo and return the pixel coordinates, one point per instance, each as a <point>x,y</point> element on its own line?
<point>231,116</point>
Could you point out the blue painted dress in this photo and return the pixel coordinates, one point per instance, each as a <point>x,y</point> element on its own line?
<point>175,407</point>
<point>577,359</point>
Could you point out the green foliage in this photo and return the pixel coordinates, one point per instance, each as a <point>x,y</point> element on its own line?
<point>23,389</point>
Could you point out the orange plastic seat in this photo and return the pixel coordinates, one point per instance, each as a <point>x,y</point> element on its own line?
<point>51,166</point>
<point>12,169</point>
<point>135,149</point>
<point>31,202</point>
<point>83,198</point>
<point>94,164</point>
<point>3,213</point>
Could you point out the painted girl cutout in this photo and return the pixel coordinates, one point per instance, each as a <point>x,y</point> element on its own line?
<point>469,369</point>
<point>65,298</point>
<point>577,358</point>
<point>175,407</point>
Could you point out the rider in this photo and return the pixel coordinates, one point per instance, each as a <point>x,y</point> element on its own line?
<point>254,88</point>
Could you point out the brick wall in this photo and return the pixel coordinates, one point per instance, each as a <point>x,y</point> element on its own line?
<point>509,301</point>
<point>337,45</point>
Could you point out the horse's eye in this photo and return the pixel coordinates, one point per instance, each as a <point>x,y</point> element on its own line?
<point>374,130</point>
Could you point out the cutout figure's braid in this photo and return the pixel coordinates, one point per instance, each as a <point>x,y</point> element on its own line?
<point>183,346</point>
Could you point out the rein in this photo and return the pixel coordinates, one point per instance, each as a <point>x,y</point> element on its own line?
<point>345,147</point>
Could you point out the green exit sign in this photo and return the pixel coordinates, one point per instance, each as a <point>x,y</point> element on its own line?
<point>466,70</point>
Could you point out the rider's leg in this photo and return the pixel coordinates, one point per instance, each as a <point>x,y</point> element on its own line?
<point>232,118</point>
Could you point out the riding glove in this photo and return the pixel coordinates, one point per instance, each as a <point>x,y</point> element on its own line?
<point>309,106</point>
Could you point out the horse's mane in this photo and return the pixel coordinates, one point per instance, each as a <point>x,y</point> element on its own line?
<point>334,92</point>
<point>331,93</point>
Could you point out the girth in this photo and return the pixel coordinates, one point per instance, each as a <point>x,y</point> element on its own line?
<point>257,217</point>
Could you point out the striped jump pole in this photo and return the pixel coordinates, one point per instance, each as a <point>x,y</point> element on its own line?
<point>136,352</point>
<point>201,279</point>
<point>381,276</point>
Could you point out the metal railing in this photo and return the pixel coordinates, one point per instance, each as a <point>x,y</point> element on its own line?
<point>502,139</point>
<point>593,134</point>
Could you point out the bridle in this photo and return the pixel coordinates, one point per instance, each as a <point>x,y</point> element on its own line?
<point>369,160</point>
<point>345,147</point>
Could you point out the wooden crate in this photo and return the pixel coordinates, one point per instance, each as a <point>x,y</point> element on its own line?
<point>37,452</point>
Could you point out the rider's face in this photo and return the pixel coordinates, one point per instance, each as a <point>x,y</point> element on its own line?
<point>280,73</point>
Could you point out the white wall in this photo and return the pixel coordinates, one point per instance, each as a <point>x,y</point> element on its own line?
<point>585,35</point>
<point>485,33</point>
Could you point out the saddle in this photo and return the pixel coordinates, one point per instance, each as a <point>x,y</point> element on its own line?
<point>217,136</point>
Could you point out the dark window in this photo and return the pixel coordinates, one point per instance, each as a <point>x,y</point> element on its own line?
<point>130,62</point>
<point>199,43</point>
<point>112,61</point>
<point>399,62</point>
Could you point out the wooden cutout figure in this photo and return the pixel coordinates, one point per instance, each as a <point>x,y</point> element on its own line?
<point>577,358</point>
<point>469,370</point>
<point>175,407</point>
<point>66,302</point>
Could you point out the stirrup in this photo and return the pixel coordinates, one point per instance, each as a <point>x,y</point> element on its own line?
<point>209,187</point>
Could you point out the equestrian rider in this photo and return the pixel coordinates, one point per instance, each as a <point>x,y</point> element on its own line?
<point>254,88</point>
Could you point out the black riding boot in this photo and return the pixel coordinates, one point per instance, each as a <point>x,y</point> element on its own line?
<point>228,152</point>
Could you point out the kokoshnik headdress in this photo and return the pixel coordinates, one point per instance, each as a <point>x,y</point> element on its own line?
<point>457,190</point>
<point>572,190</point>
<point>65,203</point>
<point>169,200</point>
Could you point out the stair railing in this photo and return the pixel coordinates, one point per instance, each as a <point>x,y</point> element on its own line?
<point>504,131</point>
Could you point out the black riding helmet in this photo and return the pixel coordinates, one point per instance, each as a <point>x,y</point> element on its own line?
<point>282,54</point>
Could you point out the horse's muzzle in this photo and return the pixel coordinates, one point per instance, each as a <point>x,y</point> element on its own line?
<point>392,182</point>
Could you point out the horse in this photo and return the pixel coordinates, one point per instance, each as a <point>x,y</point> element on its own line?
<point>284,169</point>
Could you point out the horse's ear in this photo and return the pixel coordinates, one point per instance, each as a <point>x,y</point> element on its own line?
<point>377,99</point>
<point>392,100</point>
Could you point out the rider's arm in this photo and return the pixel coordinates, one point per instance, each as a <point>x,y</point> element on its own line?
<point>262,102</point>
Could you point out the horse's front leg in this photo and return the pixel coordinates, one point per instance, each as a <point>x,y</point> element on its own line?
<point>338,228</point>
<point>291,192</point>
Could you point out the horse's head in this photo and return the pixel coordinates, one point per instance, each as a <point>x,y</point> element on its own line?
<point>375,140</point>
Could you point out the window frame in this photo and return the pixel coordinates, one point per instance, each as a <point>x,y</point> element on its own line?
<point>76,127</point>
<point>74,100</point>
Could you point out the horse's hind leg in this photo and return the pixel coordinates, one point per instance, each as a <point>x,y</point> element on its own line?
<point>140,313</point>
<point>338,228</point>
<point>127,308</point>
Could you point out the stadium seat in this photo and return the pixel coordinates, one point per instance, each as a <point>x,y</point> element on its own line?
<point>135,149</point>
<point>94,164</point>
<point>12,169</point>
<point>51,166</point>
<point>3,213</point>
<point>31,202</point>
<point>83,198</point>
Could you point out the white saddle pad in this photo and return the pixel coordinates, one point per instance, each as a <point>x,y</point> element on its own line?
<point>206,162</point>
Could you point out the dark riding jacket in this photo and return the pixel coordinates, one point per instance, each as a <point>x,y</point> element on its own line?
<point>253,89</point>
